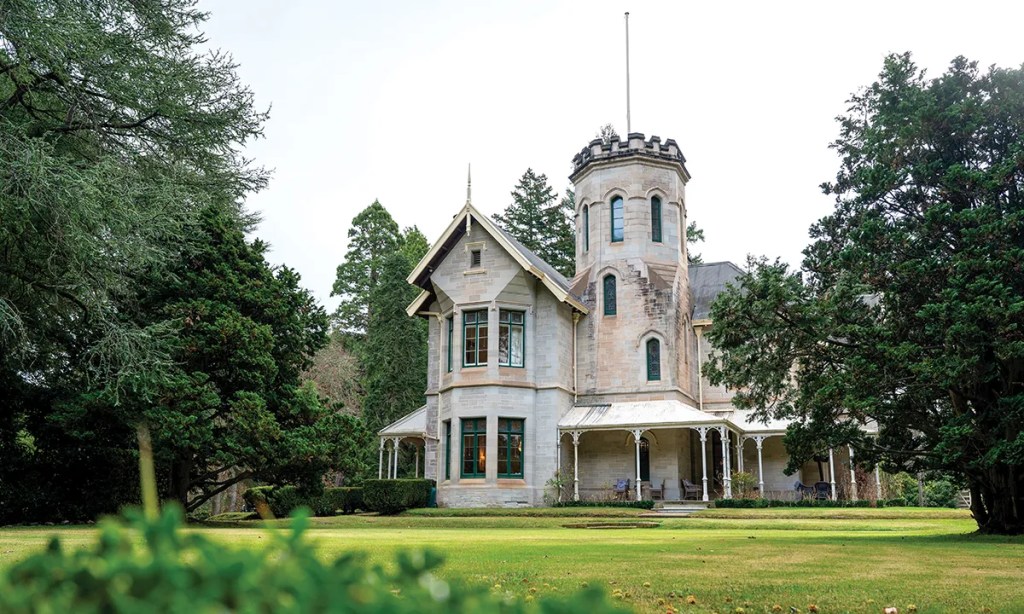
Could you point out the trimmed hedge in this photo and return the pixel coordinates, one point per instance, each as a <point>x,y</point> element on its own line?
<point>282,500</point>
<point>640,505</point>
<point>393,496</point>
<point>762,503</point>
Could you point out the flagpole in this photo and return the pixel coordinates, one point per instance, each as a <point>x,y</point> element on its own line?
<point>629,127</point>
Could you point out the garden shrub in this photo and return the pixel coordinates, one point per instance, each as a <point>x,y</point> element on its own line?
<point>394,496</point>
<point>940,493</point>
<point>641,505</point>
<point>171,571</point>
<point>763,503</point>
<point>283,500</point>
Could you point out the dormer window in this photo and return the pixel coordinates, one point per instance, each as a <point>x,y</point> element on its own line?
<point>474,258</point>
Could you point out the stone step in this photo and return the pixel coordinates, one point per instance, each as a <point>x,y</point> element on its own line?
<point>677,508</point>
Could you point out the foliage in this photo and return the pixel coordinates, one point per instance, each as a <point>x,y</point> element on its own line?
<point>940,493</point>
<point>639,505</point>
<point>607,134</point>
<point>284,500</point>
<point>116,128</point>
<point>394,496</point>
<point>542,222</point>
<point>744,484</point>
<point>337,374</point>
<point>173,571</point>
<point>909,311</point>
<point>764,503</point>
<point>395,349</point>
<point>372,237</point>
<point>694,235</point>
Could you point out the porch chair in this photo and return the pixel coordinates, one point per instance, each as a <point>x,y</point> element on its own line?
<point>621,489</point>
<point>689,488</point>
<point>822,491</point>
<point>803,490</point>
<point>658,493</point>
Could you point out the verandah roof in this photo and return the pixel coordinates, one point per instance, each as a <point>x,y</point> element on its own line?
<point>413,424</point>
<point>664,414</point>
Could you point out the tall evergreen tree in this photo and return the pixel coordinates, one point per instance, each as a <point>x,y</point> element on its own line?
<point>541,222</point>
<point>909,310</point>
<point>373,236</point>
<point>395,351</point>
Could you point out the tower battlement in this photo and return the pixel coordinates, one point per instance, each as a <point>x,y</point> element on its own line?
<point>634,145</point>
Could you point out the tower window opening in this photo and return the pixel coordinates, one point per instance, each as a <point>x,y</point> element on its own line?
<point>474,258</point>
<point>609,295</point>
<point>653,360</point>
<point>586,228</point>
<point>618,220</point>
<point>656,219</point>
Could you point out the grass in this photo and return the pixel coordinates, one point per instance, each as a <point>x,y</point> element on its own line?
<point>841,560</point>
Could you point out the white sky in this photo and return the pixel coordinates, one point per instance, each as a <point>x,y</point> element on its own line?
<point>391,100</point>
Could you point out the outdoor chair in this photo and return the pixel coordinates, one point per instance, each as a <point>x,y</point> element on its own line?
<point>803,490</point>
<point>822,491</point>
<point>658,494</point>
<point>621,489</point>
<point>690,489</point>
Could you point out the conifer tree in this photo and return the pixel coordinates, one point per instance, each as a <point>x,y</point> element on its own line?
<point>373,236</point>
<point>542,222</point>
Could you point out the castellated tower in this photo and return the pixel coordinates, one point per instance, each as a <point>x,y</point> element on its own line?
<point>631,270</point>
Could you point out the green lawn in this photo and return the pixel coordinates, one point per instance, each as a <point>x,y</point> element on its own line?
<point>841,560</point>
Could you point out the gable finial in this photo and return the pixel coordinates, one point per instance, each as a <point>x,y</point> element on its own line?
<point>469,184</point>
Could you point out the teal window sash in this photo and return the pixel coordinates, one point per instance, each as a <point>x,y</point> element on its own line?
<point>586,228</point>
<point>511,441</point>
<point>474,447</point>
<point>451,334</point>
<point>609,295</point>
<point>511,338</point>
<point>656,219</point>
<point>618,220</point>
<point>653,360</point>
<point>447,449</point>
<point>474,338</point>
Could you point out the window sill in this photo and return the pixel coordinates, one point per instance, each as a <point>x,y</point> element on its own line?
<point>511,482</point>
<point>475,272</point>
<point>472,481</point>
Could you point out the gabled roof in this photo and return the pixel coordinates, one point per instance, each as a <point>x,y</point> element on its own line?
<point>707,281</point>
<point>554,281</point>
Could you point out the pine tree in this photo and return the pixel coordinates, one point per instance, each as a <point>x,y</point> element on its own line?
<point>542,223</point>
<point>373,236</point>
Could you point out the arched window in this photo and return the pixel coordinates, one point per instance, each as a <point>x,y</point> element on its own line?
<point>609,295</point>
<point>653,360</point>
<point>655,219</point>
<point>586,228</point>
<point>617,220</point>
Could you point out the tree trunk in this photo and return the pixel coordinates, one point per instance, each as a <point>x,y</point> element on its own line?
<point>181,481</point>
<point>996,501</point>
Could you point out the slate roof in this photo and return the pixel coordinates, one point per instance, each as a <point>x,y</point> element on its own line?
<point>707,280</point>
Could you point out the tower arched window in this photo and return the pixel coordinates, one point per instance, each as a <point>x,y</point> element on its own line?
<point>653,360</point>
<point>655,219</point>
<point>609,295</point>
<point>618,221</point>
<point>586,228</point>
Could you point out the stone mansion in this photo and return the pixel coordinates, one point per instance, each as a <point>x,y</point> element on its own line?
<point>597,379</point>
